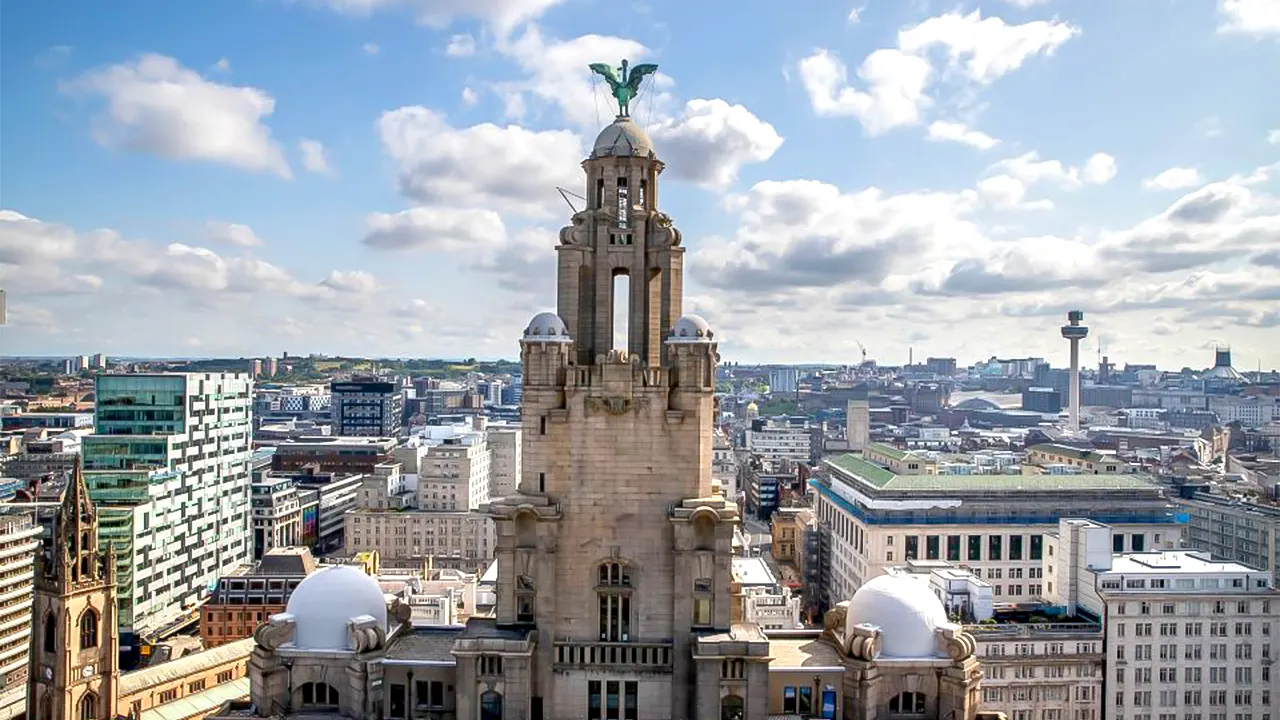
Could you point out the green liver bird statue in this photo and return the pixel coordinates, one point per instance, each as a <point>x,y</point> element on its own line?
<point>624,90</point>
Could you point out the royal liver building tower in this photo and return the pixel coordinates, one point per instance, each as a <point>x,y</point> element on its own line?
<point>614,558</point>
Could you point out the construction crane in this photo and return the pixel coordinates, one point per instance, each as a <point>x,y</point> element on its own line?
<point>863,348</point>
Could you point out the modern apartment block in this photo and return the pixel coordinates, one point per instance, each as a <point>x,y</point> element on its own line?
<point>168,468</point>
<point>366,408</point>
<point>19,540</point>
<point>1186,635</point>
<point>885,508</point>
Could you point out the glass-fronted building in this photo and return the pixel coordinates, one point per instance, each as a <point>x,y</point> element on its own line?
<point>168,467</point>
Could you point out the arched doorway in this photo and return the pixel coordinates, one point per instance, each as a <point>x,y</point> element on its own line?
<point>491,706</point>
<point>732,708</point>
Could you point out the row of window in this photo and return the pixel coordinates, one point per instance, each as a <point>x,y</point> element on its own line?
<point>1217,651</point>
<point>1217,698</point>
<point>1217,675</point>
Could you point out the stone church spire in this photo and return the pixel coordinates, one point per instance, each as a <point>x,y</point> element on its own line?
<point>75,643</point>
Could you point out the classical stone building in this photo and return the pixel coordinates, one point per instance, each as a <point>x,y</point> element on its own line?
<point>614,592</point>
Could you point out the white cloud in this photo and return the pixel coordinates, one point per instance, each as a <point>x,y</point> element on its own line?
<point>985,49</point>
<point>371,48</point>
<point>1026,3</point>
<point>232,234</point>
<point>1252,17</point>
<point>314,158</point>
<point>434,229</point>
<point>1099,169</point>
<point>1273,137</point>
<point>508,169</point>
<point>461,45</point>
<point>960,133</point>
<point>504,15</point>
<point>555,75</point>
<point>894,81</point>
<point>1005,192</point>
<point>855,15</point>
<point>1175,178</point>
<point>894,96</point>
<point>223,65</point>
<point>157,106</point>
<point>351,282</point>
<point>712,140</point>
<point>469,97</point>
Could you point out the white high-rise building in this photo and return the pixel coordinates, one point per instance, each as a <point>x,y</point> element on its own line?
<point>19,539</point>
<point>168,469</point>
<point>1187,636</point>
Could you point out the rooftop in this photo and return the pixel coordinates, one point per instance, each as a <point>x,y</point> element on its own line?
<point>798,653</point>
<point>853,467</point>
<point>753,571</point>
<point>1182,562</point>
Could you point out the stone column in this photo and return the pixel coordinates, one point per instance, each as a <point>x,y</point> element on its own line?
<point>757,699</point>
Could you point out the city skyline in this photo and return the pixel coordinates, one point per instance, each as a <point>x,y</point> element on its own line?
<point>370,186</point>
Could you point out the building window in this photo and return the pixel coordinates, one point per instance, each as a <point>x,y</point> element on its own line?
<point>489,665</point>
<point>702,602</point>
<point>195,686</point>
<point>397,709</point>
<point>614,595</point>
<point>88,707</point>
<point>50,633</point>
<point>907,703</point>
<point>732,708</point>
<point>1037,547</point>
<point>975,547</point>
<point>318,694</point>
<point>1015,547</point>
<point>89,629</point>
<point>490,706</point>
<point>953,548</point>
<point>913,548</point>
<point>931,547</point>
<point>168,696</point>
<point>789,700</point>
<point>225,676</point>
<point>994,547</point>
<point>805,704</point>
<point>733,669</point>
<point>525,591</point>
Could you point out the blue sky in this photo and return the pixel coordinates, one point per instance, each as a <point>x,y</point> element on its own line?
<point>949,177</point>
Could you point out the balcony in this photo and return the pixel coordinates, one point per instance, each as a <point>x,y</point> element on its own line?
<point>634,657</point>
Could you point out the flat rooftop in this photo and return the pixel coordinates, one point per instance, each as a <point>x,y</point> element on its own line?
<point>853,467</point>
<point>753,571</point>
<point>798,653</point>
<point>1188,562</point>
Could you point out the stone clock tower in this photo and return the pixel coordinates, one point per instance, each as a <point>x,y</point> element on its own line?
<point>614,557</point>
<point>75,643</point>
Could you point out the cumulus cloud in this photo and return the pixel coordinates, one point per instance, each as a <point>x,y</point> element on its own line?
<point>1250,17</point>
<point>1175,178</point>
<point>434,229</point>
<point>894,82</point>
<point>509,169</point>
<point>232,234</point>
<point>895,88</point>
<point>959,133</point>
<point>157,106</point>
<point>711,140</point>
<point>1099,169</point>
<point>314,157</point>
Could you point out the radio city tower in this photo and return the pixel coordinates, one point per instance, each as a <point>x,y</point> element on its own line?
<point>1075,332</point>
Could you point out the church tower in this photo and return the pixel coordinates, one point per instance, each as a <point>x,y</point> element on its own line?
<point>614,557</point>
<point>74,637</point>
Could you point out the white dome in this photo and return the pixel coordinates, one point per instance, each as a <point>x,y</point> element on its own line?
<point>623,138</point>
<point>326,601</point>
<point>547,327</point>
<point>691,329</point>
<point>906,612</point>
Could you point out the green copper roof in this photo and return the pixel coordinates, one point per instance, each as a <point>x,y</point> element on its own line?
<point>887,450</point>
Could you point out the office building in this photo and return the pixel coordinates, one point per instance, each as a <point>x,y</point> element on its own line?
<point>367,408</point>
<point>169,470</point>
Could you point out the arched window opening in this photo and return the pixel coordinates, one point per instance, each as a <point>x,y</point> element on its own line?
<point>491,706</point>
<point>732,708</point>
<point>318,694</point>
<point>89,629</point>
<point>907,703</point>
<point>614,594</point>
<point>46,707</point>
<point>621,310</point>
<point>50,633</point>
<point>87,709</point>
